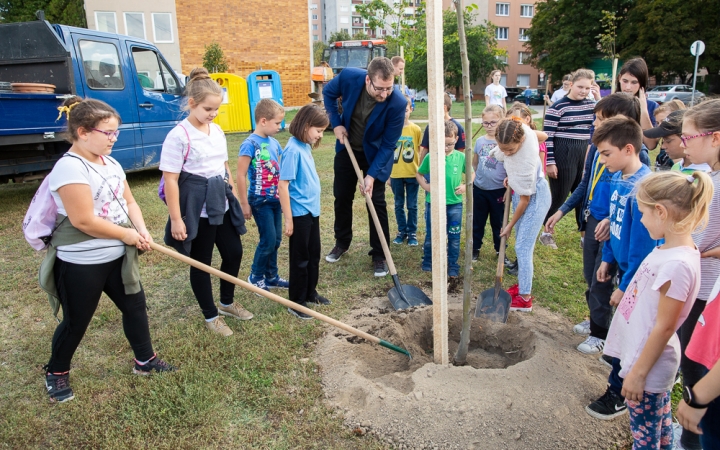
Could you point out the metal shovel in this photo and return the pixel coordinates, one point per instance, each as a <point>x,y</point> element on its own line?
<point>494,303</point>
<point>402,295</point>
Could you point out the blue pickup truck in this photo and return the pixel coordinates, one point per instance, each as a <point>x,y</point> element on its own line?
<point>128,73</point>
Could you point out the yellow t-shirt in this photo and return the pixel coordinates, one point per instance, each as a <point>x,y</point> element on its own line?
<point>407,152</point>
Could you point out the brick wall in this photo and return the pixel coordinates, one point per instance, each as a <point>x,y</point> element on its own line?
<point>253,34</point>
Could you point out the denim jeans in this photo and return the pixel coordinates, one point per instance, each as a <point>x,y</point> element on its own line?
<point>401,186</point>
<point>268,217</point>
<point>454,227</point>
<point>526,231</point>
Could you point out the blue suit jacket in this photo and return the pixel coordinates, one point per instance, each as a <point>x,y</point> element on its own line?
<point>383,128</point>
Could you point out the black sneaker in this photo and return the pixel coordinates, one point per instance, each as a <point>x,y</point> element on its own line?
<point>380,268</point>
<point>320,300</point>
<point>335,254</point>
<point>58,387</point>
<point>607,360</point>
<point>155,365</point>
<point>512,270</point>
<point>607,407</point>
<point>299,315</point>
<point>510,264</point>
<point>476,255</point>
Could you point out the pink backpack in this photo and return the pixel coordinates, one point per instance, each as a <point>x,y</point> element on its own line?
<point>39,222</point>
<point>161,187</point>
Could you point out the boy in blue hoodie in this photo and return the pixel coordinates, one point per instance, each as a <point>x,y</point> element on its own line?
<point>593,194</point>
<point>619,142</point>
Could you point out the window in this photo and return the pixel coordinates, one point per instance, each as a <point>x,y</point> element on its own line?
<point>502,58</point>
<point>502,9</point>
<point>135,24</point>
<point>101,64</point>
<point>105,21</point>
<point>523,57</point>
<point>345,8</point>
<point>313,6</point>
<point>527,10</point>
<point>523,80</point>
<point>316,37</point>
<point>162,28</point>
<point>344,19</point>
<point>315,27</point>
<point>503,80</point>
<point>523,34</point>
<point>501,33</point>
<point>153,74</point>
<point>314,17</point>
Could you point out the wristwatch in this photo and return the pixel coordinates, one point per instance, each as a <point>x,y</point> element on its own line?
<point>689,397</point>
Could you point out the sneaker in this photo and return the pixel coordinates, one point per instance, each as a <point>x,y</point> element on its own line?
<point>583,328</point>
<point>512,271</point>
<point>335,254</point>
<point>299,315</point>
<point>320,300</point>
<point>277,283</point>
<point>235,310</point>
<point>412,240</point>
<point>58,387</point>
<point>548,240</point>
<point>155,365</point>
<point>607,360</point>
<point>475,255</point>
<point>520,304</point>
<point>258,282</point>
<point>513,290</point>
<point>380,268</point>
<point>607,407</point>
<point>510,264</point>
<point>219,326</point>
<point>591,345</point>
<point>399,239</point>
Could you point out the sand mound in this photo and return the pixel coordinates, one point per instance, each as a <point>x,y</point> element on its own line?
<point>525,385</point>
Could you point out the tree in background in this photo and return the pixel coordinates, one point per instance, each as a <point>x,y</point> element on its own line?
<point>381,15</point>
<point>318,50</point>
<point>361,35</point>
<point>66,12</point>
<point>341,35</point>
<point>214,59</point>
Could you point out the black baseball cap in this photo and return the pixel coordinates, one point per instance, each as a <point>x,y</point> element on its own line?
<point>672,124</point>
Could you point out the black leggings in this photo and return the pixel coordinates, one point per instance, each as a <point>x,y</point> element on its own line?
<point>570,163</point>
<point>228,244</point>
<point>304,258</point>
<point>79,287</point>
<point>691,370</point>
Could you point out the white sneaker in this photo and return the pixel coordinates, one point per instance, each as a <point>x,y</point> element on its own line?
<point>591,345</point>
<point>583,328</point>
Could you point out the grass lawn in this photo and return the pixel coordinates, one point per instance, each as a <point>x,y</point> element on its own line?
<point>259,388</point>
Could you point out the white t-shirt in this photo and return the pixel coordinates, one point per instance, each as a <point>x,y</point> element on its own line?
<point>104,180</point>
<point>495,94</point>
<point>557,95</point>
<point>637,312</point>
<point>207,156</point>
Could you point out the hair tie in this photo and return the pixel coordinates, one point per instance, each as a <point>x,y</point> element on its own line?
<point>690,179</point>
<point>66,110</point>
<point>516,119</point>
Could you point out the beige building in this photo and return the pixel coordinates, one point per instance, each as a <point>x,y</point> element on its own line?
<point>316,21</point>
<point>154,21</point>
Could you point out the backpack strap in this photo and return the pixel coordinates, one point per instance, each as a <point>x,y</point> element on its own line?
<point>188,149</point>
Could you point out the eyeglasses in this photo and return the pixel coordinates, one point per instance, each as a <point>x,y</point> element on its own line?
<point>388,90</point>
<point>685,139</point>
<point>490,124</point>
<point>110,134</point>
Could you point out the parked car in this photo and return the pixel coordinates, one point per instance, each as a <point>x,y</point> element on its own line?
<point>536,96</point>
<point>421,96</point>
<point>512,92</point>
<point>668,92</point>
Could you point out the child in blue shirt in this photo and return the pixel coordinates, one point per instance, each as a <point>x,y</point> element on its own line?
<point>258,161</point>
<point>300,199</point>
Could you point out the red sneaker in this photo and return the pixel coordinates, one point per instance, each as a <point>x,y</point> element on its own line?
<point>513,290</point>
<point>520,304</point>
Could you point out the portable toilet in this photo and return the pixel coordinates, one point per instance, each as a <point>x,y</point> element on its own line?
<point>264,84</point>
<point>234,113</point>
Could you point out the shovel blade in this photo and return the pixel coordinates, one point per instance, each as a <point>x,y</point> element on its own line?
<point>494,304</point>
<point>410,296</point>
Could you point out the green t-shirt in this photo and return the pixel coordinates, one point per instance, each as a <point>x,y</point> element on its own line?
<point>454,169</point>
<point>679,167</point>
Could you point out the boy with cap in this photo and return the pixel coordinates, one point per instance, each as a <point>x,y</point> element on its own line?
<point>670,130</point>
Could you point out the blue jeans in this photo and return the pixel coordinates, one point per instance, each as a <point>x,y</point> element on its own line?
<point>401,186</point>
<point>454,226</point>
<point>526,231</point>
<point>268,217</point>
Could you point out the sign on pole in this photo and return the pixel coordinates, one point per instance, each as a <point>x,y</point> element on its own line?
<point>696,49</point>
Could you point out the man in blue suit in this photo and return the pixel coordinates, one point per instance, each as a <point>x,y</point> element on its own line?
<point>372,120</point>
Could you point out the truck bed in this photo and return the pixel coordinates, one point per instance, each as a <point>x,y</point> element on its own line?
<point>30,113</point>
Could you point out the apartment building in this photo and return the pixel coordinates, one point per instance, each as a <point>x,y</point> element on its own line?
<point>154,21</point>
<point>316,21</point>
<point>339,15</point>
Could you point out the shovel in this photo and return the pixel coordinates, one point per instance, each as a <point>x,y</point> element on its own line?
<point>494,303</point>
<point>278,299</point>
<point>402,295</point>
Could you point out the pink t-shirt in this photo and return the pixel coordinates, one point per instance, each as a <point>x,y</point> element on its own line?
<point>637,312</point>
<point>704,346</point>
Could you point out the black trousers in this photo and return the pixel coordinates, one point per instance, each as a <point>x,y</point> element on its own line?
<point>345,186</point>
<point>487,203</point>
<point>79,288</point>
<point>570,162</point>
<point>304,258</point>
<point>228,243</point>
<point>597,293</point>
<point>691,370</point>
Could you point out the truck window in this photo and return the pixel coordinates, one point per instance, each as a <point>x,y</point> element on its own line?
<point>153,74</point>
<point>101,65</point>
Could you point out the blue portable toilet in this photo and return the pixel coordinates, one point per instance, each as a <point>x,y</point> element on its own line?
<point>264,84</point>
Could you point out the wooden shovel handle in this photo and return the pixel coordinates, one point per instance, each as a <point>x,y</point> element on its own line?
<point>501,254</point>
<point>371,207</point>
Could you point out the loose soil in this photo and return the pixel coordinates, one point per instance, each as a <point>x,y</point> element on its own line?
<point>524,386</point>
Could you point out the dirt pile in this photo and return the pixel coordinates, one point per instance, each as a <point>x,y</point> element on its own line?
<point>525,385</point>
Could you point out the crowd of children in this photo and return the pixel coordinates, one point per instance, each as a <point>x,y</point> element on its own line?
<point>646,230</point>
